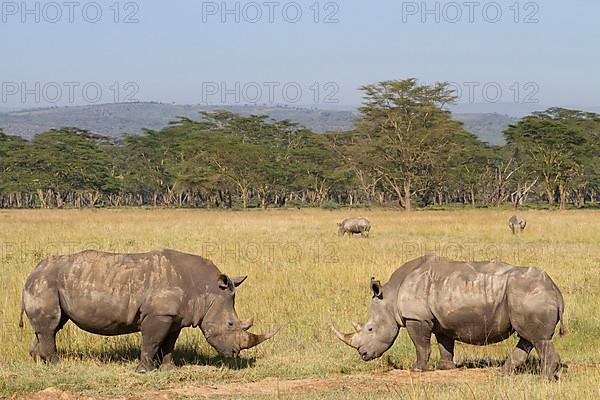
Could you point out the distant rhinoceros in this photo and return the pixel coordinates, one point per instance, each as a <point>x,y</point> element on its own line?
<point>473,302</point>
<point>517,223</point>
<point>352,226</point>
<point>156,293</point>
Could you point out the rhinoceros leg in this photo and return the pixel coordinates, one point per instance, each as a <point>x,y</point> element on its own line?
<point>518,356</point>
<point>47,347</point>
<point>34,350</point>
<point>155,330</point>
<point>446,347</point>
<point>46,318</point>
<point>420,334</point>
<point>549,358</point>
<point>166,351</point>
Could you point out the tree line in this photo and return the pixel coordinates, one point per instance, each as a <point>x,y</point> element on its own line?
<point>405,151</point>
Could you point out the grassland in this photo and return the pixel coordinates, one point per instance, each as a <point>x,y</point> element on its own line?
<point>302,275</point>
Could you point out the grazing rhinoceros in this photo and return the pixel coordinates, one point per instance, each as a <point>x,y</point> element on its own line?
<point>354,225</point>
<point>156,293</point>
<point>473,302</point>
<point>517,223</point>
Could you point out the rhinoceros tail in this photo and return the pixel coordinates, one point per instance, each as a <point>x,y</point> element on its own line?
<point>561,330</point>
<point>21,317</point>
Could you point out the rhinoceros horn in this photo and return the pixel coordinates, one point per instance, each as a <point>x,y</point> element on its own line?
<point>344,337</point>
<point>250,340</point>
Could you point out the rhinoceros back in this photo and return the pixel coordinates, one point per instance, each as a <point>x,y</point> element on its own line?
<point>356,225</point>
<point>105,293</point>
<point>467,300</point>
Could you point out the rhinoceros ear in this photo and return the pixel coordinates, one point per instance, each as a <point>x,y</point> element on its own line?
<point>238,280</point>
<point>376,288</point>
<point>225,283</point>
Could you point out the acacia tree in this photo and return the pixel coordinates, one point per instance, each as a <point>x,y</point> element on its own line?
<point>407,126</point>
<point>72,160</point>
<point>462,168</point>
<point>15,165</point>
<point>356,157</point>
<point>228,152</point>
<point>554,147</point>
<point>405,148</point>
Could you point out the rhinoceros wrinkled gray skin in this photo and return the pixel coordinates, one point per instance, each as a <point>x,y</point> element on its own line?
<point>352,226</point>
<point>156,293</point>
<point>517,223</point>
<point>472,302</point>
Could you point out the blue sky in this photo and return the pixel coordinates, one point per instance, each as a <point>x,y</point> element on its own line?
<point>183,52</point>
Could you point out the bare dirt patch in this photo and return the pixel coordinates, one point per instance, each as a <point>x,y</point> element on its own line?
<point>52,394</point>
<point>275,386</point>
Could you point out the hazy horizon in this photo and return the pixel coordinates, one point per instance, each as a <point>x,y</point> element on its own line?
<point>508,109</point>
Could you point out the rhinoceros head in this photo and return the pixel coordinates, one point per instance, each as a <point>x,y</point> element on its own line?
<point>221,326</point>
<point>378,334</point>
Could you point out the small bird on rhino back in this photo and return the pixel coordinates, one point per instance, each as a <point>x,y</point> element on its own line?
<point>516,223</point>
<point>156,293</point>
<point>353,226</point>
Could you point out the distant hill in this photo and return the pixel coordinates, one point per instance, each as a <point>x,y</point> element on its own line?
<point>117,118</point>
<point>513,109</point>
<point>487,127</point>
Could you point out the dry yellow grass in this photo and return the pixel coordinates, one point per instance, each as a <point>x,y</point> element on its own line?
<point>302,275</point>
